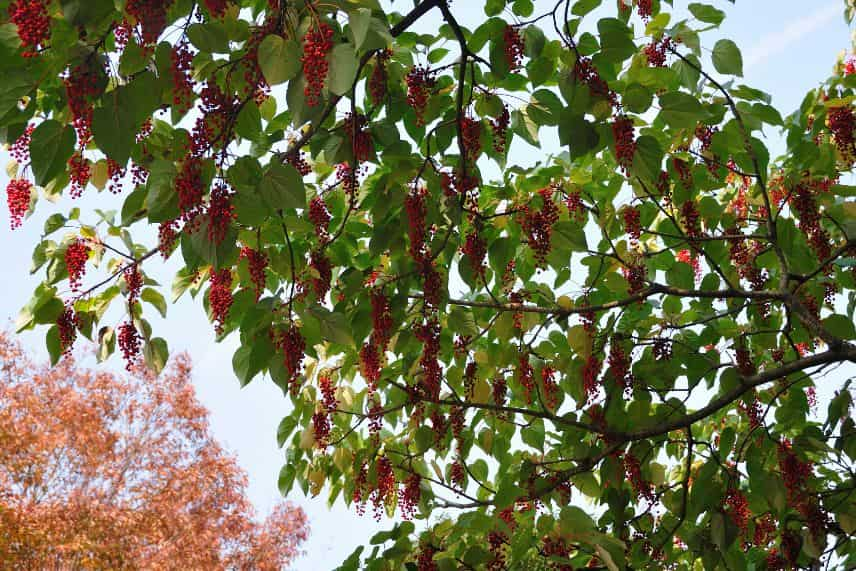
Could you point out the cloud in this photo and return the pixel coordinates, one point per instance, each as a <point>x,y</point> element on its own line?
<point>777,42</point>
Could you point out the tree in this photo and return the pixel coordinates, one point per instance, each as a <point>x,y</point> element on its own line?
<point>101,471</point>
<point>638,317</point>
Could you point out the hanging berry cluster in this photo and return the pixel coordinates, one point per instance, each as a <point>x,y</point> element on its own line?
<point>585,72</point>
<point>18,193</point>
<point>656,51</point>
<point>420,83</point>
<point>356,129</point>
<point>33,22</point>
<point>475,251</point>
<point>803,201</point>
<point>79,174</point>
<point>129,343</point>
<point>591,372</point>
<point>320,218</point>
<point>316,45</point>
<point>796,475</point>
<point>257,263</point>
<point>640,485</point>
<point>293,347</point>
<point>625,142</point>
<point>81,89</point>
<point>67,324</point>
<point>409,496</point>
<point>631,224</point>
<point>220,297</point>
<point>221,212</point>
<point>75,262</point>
<point>471,137</point>
<point>133,281</point>
<point>20,148</point>
<point>379,77</point>
<point>181,63</point>
<point>842,124</point>
<point>538,225</point>
<point>499,126</point>
<point>513,47</point>
<point>150,15</point>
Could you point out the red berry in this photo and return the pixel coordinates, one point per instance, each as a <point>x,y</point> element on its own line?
<point>513,46</point>
<point>316,45</point>
<point>33,22</point>
<point>76,256</point>
<point>18,193</point>
<point>129,343</point>
<point>220,297</point>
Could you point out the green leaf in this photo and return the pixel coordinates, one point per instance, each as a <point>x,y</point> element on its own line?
<point>334,327</point>
<point>523,125</point>
<point>156,354</point>
<point>209,37</point>
<point>681,109</point>
<point>279,59</point>
<point>727,59</point>
<point>359,20</point>
<point>583,7</point>
<point>162,199</point>
<point>706,13</point>
<point>252,358</point>
<point>579,134</point>
<point>616,40</point>
<point>281,187</point>
<point>285,429</point>
<point>154,297</point>
<point>647,158</point>
<point>51,145</point>
<point>53,344</point>
<point>840,326</point>
<point>343,69</point>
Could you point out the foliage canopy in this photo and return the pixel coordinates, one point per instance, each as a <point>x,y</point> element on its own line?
<point>103,471</point>
<point>638,319</point>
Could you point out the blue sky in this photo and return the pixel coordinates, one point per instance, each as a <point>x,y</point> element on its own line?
<point>788,47</point>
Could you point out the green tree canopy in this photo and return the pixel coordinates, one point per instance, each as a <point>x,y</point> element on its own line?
<point>470,323</point>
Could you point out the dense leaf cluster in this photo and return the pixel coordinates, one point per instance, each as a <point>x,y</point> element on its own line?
<point>460,317</point>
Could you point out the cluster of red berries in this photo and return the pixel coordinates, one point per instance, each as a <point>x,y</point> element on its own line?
<point>796,475</point>
<point>744,362</point>
<point>691,219</point>
<point>662,349</point>
<point>350,179</point>
<point>513,47</point>
<point>557,547</point>
<point>585,72</point>
<point>551,388</point>
<point>115,174</point>
<point>738,509</point>
<point>217,8</point>
<point>321,428</point>
<point>299,162</point>
<point>221,212</point>
<point>499,389</point>
<point>849,65</point>
<point>576,208</point>
<point>803,201</point>
<point>420,82</point>
<point>79,173</point>
<point>691,259</point>
<point>76,256</point>
<point>181,61</point>
<point>356,129</point>
<point>257,263</point>
<point>625,143</point>
<point>220,297</point>
<point>328,393</point>
<point>378,79</point>
<point>190,188</point>
<point>591,372</point>
<point>81,87</point>
<point>631,224</point>
<point>67,324</point>
<point>752,411</point>
<point>635,274</point>
<point>640,485</point>
<point>151,17</point>
<point>656,51</point>
<point>18,193</point>
<point>409,496</point>
<point>417,209</point>
<point>644,8</point>
<point>385,492</point>
<point>20,148</point>
<point>129,343</point>
<point>320,218</point>
<point>428,334</point>
<point>742,256</point>
<point>370,366</point>
<point>381,318</point>
<point>293,348</point>
<point>499,126</point>
<point>217,109</point>
<point>33,22</point>
<point>316,45</point>
<point>167,237</point>
<point>425,559</point>
<point>842,124</point>
<point>322,273</point>
<point>619,365</point>
<point>470,137</point>
<point>525,376</point>
<point>538,225</point>
<point>475,250</point>
<point>133,281</point>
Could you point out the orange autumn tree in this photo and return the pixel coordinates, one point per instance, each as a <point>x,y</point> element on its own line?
<point>99,470</point>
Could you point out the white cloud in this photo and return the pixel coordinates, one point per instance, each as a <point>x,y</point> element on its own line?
<point>777,42</point>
